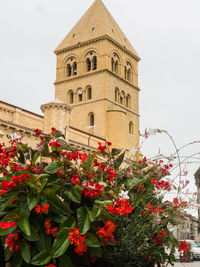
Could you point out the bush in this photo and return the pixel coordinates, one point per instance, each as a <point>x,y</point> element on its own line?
<point>62,207</point>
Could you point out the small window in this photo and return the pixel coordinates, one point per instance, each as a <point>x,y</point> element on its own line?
<point>112,64</point>
<point>80,95</point>
<point>116,67</point>
<point>125,73</point>
<point>71,97</point>
<point>122,98</point>
<point>89,93</point>
<point>69,70</point>
<point>128,101</point>
<point>88,64</point>
<point>129,75</point>
<point>74,68</point>
<point>116,94</point>
<point>130,127</point>
<point>94,63</point>
<point>91,119</point>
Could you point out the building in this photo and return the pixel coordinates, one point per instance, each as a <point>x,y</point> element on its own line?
<point>197,182</point>
<point>96,88</point>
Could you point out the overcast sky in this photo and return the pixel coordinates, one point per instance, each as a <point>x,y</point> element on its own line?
<point>165,33</point>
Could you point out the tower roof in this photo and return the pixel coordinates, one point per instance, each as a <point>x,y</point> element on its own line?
<point>95,23</point>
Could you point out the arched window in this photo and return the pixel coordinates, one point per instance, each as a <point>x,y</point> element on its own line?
<point>88,64</point>
<point>112,64</point>
<point>128,71</point>
<point>69,70</point>
<point>128,101</point>
<point>116,67</point>
<point>116,94</point>
<point>80,95</point>
<point>71,97</point>
<point>94,62</point>
<point>125,73</point>
<point>91,119</point>
<point>74,68</point>
<point>115,63</point>
<point>122,98</point>
<point>91,61</point>
<point>89,93</point>
<point>130,127</point>
<point>71,66</point>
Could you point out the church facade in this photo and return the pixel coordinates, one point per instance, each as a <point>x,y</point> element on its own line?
<point>96,88</point>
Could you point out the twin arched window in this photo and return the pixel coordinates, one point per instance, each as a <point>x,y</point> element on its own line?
<point>115,63</point>
<point>79,95</point>
<point>91,61</point>
<point>71,66</point>
<point>128,71</point>
<point>122,98</point>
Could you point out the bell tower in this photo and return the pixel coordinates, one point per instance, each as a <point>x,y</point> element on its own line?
<point>97,75</point>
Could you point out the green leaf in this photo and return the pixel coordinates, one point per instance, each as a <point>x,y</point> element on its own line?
<point>25,251</point>
<point>32,201</point>
<point>44,242</point>
<point>96,252</point>
<point>25,226</point>
<point>92,241</point>
<point>34,235</point>
<point>61,243</point>
<point>119,160</point>
<point>69,222</point>
<point>104,202</point>
<point>88,162</point>
<point>83,220</point>
<point>35,158</point>
<point>95,212</point>
<point>7,231</point>
<point>65,261</point>
<point>17,260</point>
<point>42,258</point>
<point>53,167</point>
<point>75,195</point>
<point>56,204</point>
<point>116,151</point>
<point>5,205</point>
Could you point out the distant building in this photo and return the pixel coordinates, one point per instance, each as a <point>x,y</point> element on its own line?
<point>96,88</point>
<point>187,228</point>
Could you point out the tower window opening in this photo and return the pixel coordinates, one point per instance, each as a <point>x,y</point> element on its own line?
<point>94,63</point>
<point>121,98</point>
<point>125,73</point>
<point>130,127</point>
<point>116,67</point>
<point>74,68</point>
<point>91,119</point>
<point>116,94</point>
<point>128,101</point>
<point>69,70</point>
<point>80,95</point>
<point>71,97</point>
<point>88,64</point>
<point>129,75</point>
<point>112,64</point>
<point>89,93</point>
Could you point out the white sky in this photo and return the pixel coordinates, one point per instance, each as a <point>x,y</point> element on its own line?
<point>165,33</point>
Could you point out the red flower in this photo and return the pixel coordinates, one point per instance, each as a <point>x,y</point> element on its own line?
<point>42,209</point>
<point>122,207</point>
<point>56,144</point>
<point>106,232</point>
<point>47,224</point>
<point>184,246</point>
<point>50,265</point>
<point>78,241</point>
<point>75,179</point>
<point>37,132</point>
<point>160,237</point>
<point>108,143</point>
<point>101,148</point>
<point>6,225</point>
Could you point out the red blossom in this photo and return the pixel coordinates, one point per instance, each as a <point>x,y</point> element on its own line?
<point>75,179</point>
<point>184,246</point>
<point>37,132</point>
<point>78,241</point>
<point>106,232</point>
<point>6,225</point>
<point>160,237</point>
<point>56,144</point>
<point>42,209</point>
<point>101,148</point>
<point>122,207</point>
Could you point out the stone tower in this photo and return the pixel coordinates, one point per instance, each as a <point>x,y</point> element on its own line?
<point>97,76</point>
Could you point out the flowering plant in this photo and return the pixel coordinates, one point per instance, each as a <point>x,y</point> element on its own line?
<point>62,207</point>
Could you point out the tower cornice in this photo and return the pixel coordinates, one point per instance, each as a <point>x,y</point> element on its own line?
<point>80,77</point>
<point>101,38</point>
